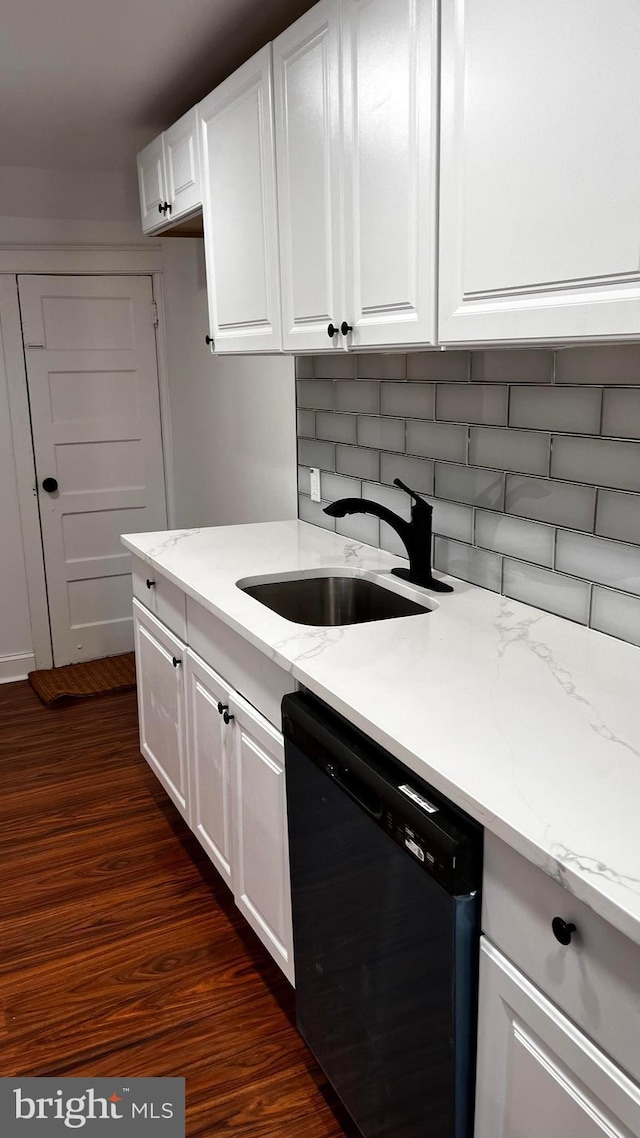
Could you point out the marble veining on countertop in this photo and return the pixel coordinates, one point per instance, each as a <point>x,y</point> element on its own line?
<point>528,721</point>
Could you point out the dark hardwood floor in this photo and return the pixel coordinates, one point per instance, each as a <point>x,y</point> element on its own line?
<point>121,951</point>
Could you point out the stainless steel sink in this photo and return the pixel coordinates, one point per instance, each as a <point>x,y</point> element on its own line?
<point>332,600</point>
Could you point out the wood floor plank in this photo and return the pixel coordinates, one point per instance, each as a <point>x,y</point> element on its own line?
<point>121,950</point>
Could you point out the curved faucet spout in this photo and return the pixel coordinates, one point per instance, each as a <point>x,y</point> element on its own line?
<point>415,535</point>
<point>366,506</point>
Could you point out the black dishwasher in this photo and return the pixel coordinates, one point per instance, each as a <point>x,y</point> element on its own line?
<point>385,882</point>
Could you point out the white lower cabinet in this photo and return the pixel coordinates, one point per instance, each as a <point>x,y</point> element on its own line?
<point>222,763</point>
<point>161,704</point>
<point>210,747</point>
<point>538,1075</point>
<point>261,884</point>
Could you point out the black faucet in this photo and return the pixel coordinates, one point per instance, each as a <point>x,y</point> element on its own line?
<point>415,534</point>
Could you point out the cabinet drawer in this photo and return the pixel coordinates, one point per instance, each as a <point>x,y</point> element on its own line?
<point>164,599</point>
<point>244,667</point>
<point>594,979</point>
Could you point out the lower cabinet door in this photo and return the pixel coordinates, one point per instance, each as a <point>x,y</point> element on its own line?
<point>210,745</point>
<point>538,1075</point>
<point>160,661</point>
<point>261,882</point>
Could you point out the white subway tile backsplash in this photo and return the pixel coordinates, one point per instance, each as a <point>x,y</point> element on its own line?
<point>597,461</point>
<point>312,453</point>
<point>334,365</point>
<point>390,541</point>
<point>335,428</point>
<point>574,409</point>
<point>452,520</point>
<point>524,445</point>
<point>618,515</point>
<point>558,503</point>
<point>313,512</point>
<point>360,527</point>
<point>472,403</point>
<point>599,363</point>
<point>304,367</point>
<point>306,424</point>
<point>415,472</point>
<point>546,590</point>
<point>393,499</point>
<point>466,484</point>
<point>316,393</point>
<point>512,365</point>
<point>616,614</point>
<point>415,400</point>
<point>334,486</point>
<point>621,412</point>
<point>359,462</point>
<point>524,451</point>
<point>596,559</point>
<point>465,561</point>
<point>380,365</point>
<point>357,395</point>
<point>385,434</point>
<point>437,440</point>
<point>441,367</point>
<point>515,537</point>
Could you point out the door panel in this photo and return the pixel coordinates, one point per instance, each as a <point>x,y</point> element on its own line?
<point>161,704</point>
<point>261,874</point>
<point>151,183</point>
<point>540,231</point>
<point>210,758</point>
<point>181,165</point>
<point>93,388</point>
<point>307,97</point>
<point>538,1075</point>
<point>390,92</point>
<point>239,203</point>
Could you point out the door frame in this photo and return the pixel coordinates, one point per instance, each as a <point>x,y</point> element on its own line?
<point>82,261</point>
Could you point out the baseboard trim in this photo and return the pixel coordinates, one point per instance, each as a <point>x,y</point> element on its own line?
<point>16,667</point>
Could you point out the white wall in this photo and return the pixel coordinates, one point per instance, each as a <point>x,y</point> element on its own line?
<point>40,206</point>
<point>232,418</point>
<point>15,629</point>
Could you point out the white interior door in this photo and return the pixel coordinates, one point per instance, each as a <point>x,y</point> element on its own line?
<point>93,388</point>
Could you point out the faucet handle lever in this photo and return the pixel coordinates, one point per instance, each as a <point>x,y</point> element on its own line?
<point>420,502</point>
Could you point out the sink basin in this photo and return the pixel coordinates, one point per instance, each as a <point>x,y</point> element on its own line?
<point>333,599</point>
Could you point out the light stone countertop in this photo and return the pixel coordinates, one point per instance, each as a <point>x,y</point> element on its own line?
<point>527,721</point>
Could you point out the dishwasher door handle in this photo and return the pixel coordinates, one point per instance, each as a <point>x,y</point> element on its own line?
<point>361,794</point>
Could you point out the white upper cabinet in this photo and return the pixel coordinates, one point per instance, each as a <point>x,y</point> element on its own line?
<point>306,61</point>
<point>169,175</point>
<point>390,100</point>
<point>240,214</point>
<point>540,227</point>
<point>152,185</point>
<point>356,113</point>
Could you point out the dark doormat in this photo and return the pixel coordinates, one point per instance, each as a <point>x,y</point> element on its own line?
<point>96,677</point>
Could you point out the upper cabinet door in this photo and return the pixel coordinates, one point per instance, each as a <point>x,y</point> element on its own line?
<point>390,93</point>
<point>307,98</point>
<point>181,165</point>
<point>540,226</point>
<point>152,186</point>
<point>239,206</point>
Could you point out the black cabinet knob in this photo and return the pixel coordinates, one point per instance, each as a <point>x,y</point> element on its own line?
<point>332,331</point>
<point>175,661</point>
<point>222,707</point>
<point>208,339</point>
<point>49,484</point>
<point>150,584</point>
<point>227,718</point>
<point>164,207</point>
<point>562,930</point>
<point>346,328</point>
